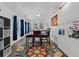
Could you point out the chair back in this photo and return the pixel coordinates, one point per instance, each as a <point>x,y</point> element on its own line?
<point>48,31</point>
<point>36,33</point>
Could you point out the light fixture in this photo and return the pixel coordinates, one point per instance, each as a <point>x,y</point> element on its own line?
<point>38,13</point>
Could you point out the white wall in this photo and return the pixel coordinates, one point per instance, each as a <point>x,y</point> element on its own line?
<point>68,45</point>
<point>69,13</point>
<point>7,12</point>
<point>38,20</point>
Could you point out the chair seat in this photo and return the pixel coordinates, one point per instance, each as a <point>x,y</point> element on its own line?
<point>44,35</point>
<point>29,35</point>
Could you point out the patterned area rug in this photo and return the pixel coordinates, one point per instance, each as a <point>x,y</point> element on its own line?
<point>38,51</point>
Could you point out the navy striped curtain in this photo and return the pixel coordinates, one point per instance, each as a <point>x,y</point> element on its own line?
<point>14,27</point>
<point>22,27</point>
<point>28,28</point>
<point>25,27</point>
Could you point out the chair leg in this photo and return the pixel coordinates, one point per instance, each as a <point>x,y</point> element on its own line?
<point>49,40</point>
<point>26,40</point>
<point>33,41</point>
<point>40,41</point>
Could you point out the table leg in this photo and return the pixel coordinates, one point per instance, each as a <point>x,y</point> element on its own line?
<point>40,41</point>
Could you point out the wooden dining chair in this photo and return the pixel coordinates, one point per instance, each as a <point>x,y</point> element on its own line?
<point>36,34</point>
<point>28,38</point>
<point>46,38</point>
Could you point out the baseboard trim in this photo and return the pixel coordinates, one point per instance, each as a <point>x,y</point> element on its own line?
<point>62,51</point>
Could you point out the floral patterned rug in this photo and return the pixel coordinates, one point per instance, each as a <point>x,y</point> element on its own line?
<point>38,51</point>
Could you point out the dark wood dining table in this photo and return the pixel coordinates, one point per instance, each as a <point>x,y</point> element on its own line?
<point>43,35</point>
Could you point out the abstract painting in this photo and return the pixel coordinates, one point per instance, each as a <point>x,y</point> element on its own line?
<point>54,20</point>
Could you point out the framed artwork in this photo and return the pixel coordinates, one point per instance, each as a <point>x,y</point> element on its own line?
<point>61,30</point>
<point>76,25</point>
<point>54,20</point>
<point>73,30</point>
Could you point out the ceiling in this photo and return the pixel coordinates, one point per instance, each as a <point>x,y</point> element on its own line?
<point>32,9</point>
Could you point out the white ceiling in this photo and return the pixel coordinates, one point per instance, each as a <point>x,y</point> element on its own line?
<point>29,9</point>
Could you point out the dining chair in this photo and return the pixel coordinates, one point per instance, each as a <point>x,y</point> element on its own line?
<point>46,38</point>
<point>28,38</point>
<point>36,34</point>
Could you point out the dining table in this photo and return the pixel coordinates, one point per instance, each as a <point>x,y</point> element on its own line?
<point>30,35</point>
